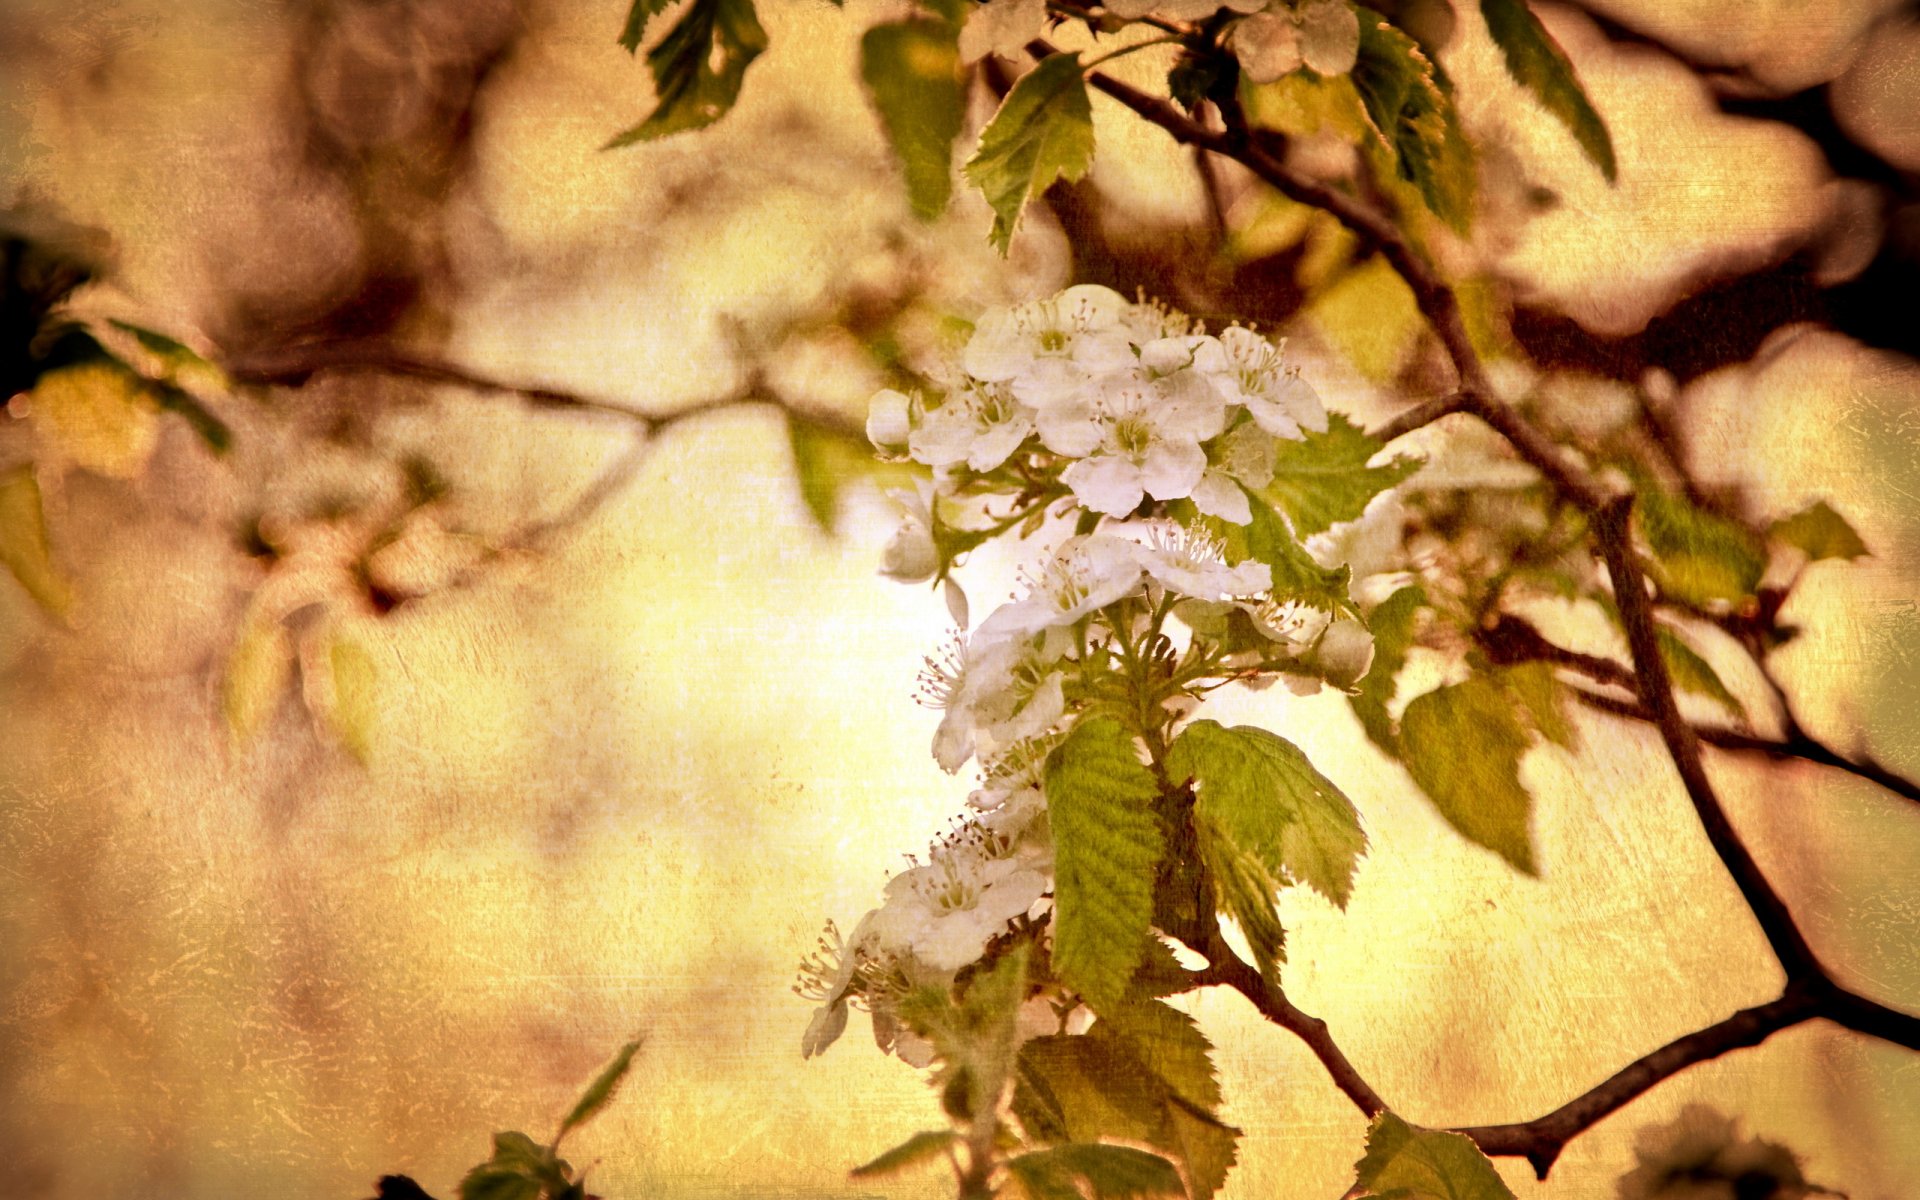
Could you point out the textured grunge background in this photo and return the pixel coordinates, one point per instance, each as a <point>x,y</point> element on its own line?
<point>615,786</point>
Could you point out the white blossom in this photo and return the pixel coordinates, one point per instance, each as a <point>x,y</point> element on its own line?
<point>994,692</point>
<point>1145,442</point>
<point>980,424</point>
<point>1249,370</point>
<point>945,913</point>
<point>1046,350</point>
<point>1193,563</point>
<point>1086,574</point>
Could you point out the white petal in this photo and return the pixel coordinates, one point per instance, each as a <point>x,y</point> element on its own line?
<point>956,603</point>
<point>998,349</point>
<point>996,443</point>
<point>1070,429</point>
<point>1267,46</point>
<point>1217,495</point>
<point>1172,468</point>
<point>887,421</point>
<point>825,1028</point>
<point>1001,27</point>
<point>1107,484</point>
<point>1329,36</point>
<point>1272,417</point>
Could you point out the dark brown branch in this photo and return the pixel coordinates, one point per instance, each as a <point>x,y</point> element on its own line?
<point>1803,748</point>
<point>1225,967</point>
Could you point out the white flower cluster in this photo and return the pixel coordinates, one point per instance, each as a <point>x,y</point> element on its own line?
<point>1140,401</point>
<point>1275,38</point>
<point>1085,417</point>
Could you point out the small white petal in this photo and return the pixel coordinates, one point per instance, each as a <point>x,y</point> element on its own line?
<point>1267,45</point>
<point>1217,495</point>
<point>1108,484</point>
<point>1329,36</point>
<point>1171,469</point>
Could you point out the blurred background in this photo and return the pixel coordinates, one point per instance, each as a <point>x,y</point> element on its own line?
<point>570,735</point>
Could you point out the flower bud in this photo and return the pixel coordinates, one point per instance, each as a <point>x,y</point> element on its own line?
<point>889,422</point>
<point>910,555</point>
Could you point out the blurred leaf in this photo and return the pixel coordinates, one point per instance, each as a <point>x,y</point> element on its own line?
<point>599,1092</point>
<point>1369,315</point>
<point>642,12</point>
<point>1258,791</point>
<point>1042,132</point>
<point>1323,478</point>
<point>1699,556</point>
<point>258,672</point>
<point>1105,1172</point>
<point>920,1148</point>
<point>1391,622</point>
<point>498,1183</point>
<point>912,72</point>
<point>826,460</point>
<point>1542,67</point>
<point>354,712</point>
<point>1106,846</point>
<point>1693,673</point>
<point>698,68</point>
<point>1542,700</point>
<point>1410,103</point>
<point>1820,532</point>
<point>23,542</point>
<point>1405,1162</point>
<point>1462,744</point>
<point>97,415</point>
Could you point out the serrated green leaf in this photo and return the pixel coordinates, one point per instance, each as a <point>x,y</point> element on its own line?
<point>920,1148</point>
<point>1820,532</point>
<point>1258,791</point>
<point>1266,538</point>
<point>698,68</point>
<point>600,1091</point>
<point>1107,844</point>
<point>1043,131</point>
<point>1699,557</point>
<point>1105,1172</point>
<point>1538,63</point>
<point>1410,104</point>
<point>975,1037</point>
<point>23,542</point>
<point>1405,1162</point>
<point>1391,622</point>
<point>912,73</point>
<point>1462,744</point>
<point>1324,478</point>
<point>1244,890</point>
<point>642,12</point>
<point>1692,673</point>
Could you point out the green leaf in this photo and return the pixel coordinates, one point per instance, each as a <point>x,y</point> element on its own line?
<point>920,1148</point>
<point>1105,1172</point>
<point>642,12</point>
<point>1107,843</point>
<point>520,1169</point>
<point>912,72</point>
<point>1257,791</point>
<point>258,672</point>
<point>698,68</point>
<point>1699,557</point>
<point>1391,623</point>
<point>1324,478</point>
<point>1692,673</point>
<point>600,1091</point>
<point>23,542</point>
<point>1042,132</point>
<point>1542,67</point>
<point>1462,744</point>
<point>976,1037</point>
<point>1820,532</point>
<point>1266,538</point>
<point>498,1183</point>
<point>1405,1162</point>
<point>354,712</point>
<point>1542,700</point>
<point>1410,104</point>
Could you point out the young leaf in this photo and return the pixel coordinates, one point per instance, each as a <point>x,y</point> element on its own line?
<point>1410,103</point>
<point>1324,478</point>
<point>1820,533</point>
<point>520,1169</point>
<point>1258,791</point>
<point>1404,1162</point>
<point>642,12</point>
<point>1692,673</point>
<point>698,68</point>
<point>599,1092</point>
<point>354,711</point>
<point>1107,843</point>
<point>1267,539</point>
<point>258,671</point>
<point>911,69</point>
<point>1105,1172</point>
<point>1042,132</point>
<point>1699,556</point>
<point>1391,623</point>
<point>920,1148</point>
<point>1538,63</point>
<point>23,542</point>
<point>98,415</point>
<point>1462,744</point>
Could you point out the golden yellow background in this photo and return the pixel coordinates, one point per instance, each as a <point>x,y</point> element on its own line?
<point>615,788</point>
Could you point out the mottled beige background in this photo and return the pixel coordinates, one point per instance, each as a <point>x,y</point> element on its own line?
<point>615,788</point>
